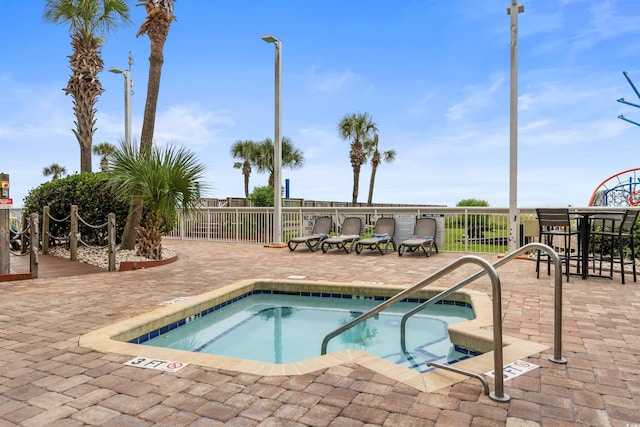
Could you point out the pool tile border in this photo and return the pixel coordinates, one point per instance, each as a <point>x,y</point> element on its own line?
<point>170,327</point>
<point>475,334</point>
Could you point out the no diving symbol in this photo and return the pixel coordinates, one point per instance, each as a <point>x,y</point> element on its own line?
<point>174,366</point>
<point>522,364</point>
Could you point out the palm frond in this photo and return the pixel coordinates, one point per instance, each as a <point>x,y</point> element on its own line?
<point>166,179</point>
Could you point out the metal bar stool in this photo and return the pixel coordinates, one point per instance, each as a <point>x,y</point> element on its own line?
<point>602,232</point>
<point>554,223</point>
<point>612,237</point>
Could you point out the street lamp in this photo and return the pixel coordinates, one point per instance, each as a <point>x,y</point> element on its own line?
<point>277,140</point>
<point>128,91</point>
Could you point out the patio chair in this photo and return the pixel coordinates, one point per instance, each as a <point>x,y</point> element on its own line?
<point>349,235</point>
<point>602,229</point>
<point>554,223</point>
<point>320,232</point>
<point>614,231</point>
<point>383,234</point>
<point>424,238</point>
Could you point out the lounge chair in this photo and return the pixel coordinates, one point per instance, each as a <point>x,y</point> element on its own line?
<point>424,238</point>
<point>382,236</point>
<point>320,232</point>
<point>349,235</point>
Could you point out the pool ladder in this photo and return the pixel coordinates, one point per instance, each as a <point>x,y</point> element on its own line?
<point>490,269</point>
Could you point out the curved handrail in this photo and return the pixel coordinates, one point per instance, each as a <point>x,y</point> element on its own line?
<point>557,333</point>
<point>497,314</point>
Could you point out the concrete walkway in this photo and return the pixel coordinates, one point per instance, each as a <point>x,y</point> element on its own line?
<point>47,379</point>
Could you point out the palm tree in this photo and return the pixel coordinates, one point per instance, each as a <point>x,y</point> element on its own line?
<point>156,26</point>
<point>371,148</point>
<point>292,157</point>
<point>89,21</point>
<point>55,170</point>
<point>245,151</point>
<point>162,180</point>
<point>104,150</point>
<point>357,128</point>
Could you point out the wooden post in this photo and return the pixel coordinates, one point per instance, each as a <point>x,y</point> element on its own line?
<point>45,230</point>
<point>4,242</point>
<point>73,233</point>
<point>34,244</point>
<point>111,236</point>
<point>24,237</point>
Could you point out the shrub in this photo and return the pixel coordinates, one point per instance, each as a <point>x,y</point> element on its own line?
<point>477,223</point>
<point>93,197</point>
<point>472,202</point>
<point>262,196</point>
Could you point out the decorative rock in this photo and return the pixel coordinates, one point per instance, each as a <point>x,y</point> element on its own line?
<point>99,256</point>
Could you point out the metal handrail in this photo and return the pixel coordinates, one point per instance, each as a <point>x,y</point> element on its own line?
<point>489,269</point>
<point>479,377</point>
<point>498,394</point>
<point>557,332</point>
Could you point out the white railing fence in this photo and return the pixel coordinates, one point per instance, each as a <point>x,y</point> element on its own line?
<point>460,229</point>
<point>464,229</point>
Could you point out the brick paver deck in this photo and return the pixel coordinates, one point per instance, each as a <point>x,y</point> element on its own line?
<point>47,379</point>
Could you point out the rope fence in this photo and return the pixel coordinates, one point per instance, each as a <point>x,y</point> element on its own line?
<point>74,237</point>
<point>95,227</point>
<point>20,243</point>
<point>46,216</point>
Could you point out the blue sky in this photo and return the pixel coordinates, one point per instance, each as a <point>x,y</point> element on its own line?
<point>434,75</point>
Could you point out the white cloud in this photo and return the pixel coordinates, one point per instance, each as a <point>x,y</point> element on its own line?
<point>332,81</point>
<point>34,113</point>
<point>316,142</point>
<point>477,99</point>
<point>191,125</point>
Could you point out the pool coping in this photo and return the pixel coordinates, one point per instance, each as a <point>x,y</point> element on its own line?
<point>476,334</point>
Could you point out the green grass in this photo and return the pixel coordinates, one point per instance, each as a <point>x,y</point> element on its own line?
<point>453,241</point>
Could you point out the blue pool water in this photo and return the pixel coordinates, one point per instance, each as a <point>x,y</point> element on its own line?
<point>288,328</point>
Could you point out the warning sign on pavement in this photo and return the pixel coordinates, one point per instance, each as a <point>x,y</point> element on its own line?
<point>158,364</point>
<point>514,369</point>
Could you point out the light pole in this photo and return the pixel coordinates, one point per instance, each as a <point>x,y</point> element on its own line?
<point>277,141</point>
<point>128,91</point>
<point>514,223</point>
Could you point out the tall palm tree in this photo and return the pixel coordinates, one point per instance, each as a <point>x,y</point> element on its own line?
<point>104,150</point>
<point>163,180</point>
<point>371,148</point>
<point>156,26</point>
<point>357,128</point>
<point>89,22</point>
<point>245,151</point>
<point>55,171</point>
<point>292,157</point>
